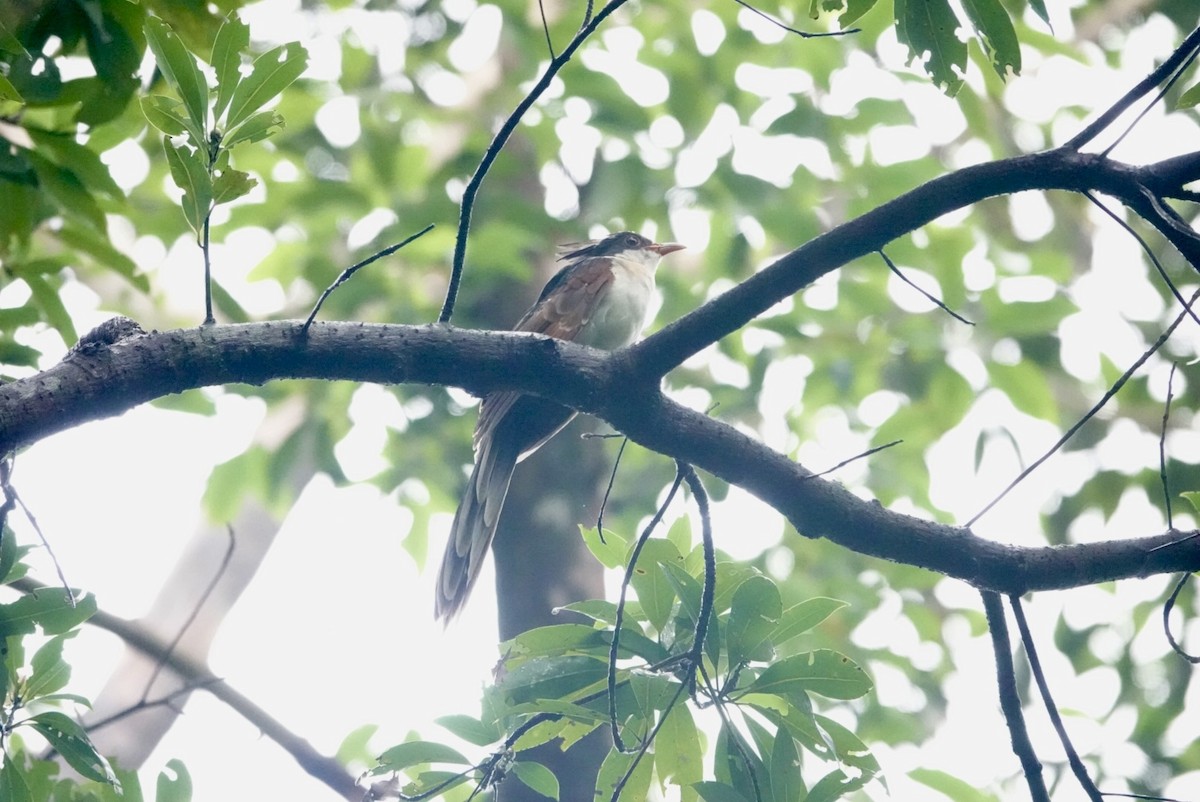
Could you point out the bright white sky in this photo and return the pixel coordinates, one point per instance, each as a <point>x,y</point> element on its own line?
<point>134,483</point>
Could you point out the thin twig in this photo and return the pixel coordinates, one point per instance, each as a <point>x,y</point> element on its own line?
<point>350,271</point>
<point>802,34</point>
<point>614,645</point>
<point>1183,53</point>
<point>892,266</point>
<point>619,786</point>
<point>1162,272</point>
<point>497,144</point>
<point>1113,390</point>
<point>1170,605</point>
<point>1039,676</point>
<point>710,559</point>
<point>546,28</point>
<point>612,479</point>
<point>12,494</point>
<point>1010,699</point>
<point>1162,446</point>
<point>191,619</point>
<point>855,458</point>
<point>1166,87</point>
<point>205,249</point>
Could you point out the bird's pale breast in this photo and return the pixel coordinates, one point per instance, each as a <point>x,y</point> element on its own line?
<point>621,314</point>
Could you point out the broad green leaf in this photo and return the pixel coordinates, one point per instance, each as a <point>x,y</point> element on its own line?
<point>166,114</point>
<point>271,73</point>
<point>256,127</point>
<point>822,671</point>
<point>786,780</point>
<point>177,788</point>
<point>995,31</point>
<point>232,40</point>
<point>1039,8</point>
<point>425,783</point>
<point>1192,497</point>
<point>8,92</point>
<point>537,777</point>
<point>950,786</point>
<point>555,639</point>
<point>614,768</point>
<point>49,608</point>
<point>231,185</point>
<point>50,302</point>
<point>754,612</point>
<point>711,791</point>
<point>415,753</point>
<point>929,27</point>
<point>802,617</point>
<point>611,552</point>
<point>854,10</point>
<point>79,160</point>
<point>13,787</point>
<point>68,737</point>
<point>677,754</point>
<point>100,248</point>
<point>49,672</point>
<point>189,169</point>
<point>655,593</point>
<point>179,67</point>
<point>596,609</point>
<point>471,730</point>
<point>1025,385</point>
<point>1189,98</point>
<point>551,678</point>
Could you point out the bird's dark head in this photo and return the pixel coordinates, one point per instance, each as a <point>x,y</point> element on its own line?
<point>622,243</point>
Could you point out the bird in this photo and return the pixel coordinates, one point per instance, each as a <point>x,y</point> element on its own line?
<point>599,298</point>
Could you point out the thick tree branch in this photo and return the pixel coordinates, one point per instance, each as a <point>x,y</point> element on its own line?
<point>1139,188</point>
<point>107,380</point>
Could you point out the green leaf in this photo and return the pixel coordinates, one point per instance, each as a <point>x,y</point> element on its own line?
<point>537,777</point>
<point>1039,8</point>
<point>655,592</point>
<point>174,789</point>
<point>928,28</point>
<point>802,617</point>
<point>13,787</point>
<point>256,127</point>
<point>179,67</point>
<point>677,753</point>
<point>272,72</point>
<point>611,552</point>
<point>189,169</point>
<point>755,611</point>
<point>787,783</point>
<point>855,9</point>
<point>49,608</point>
<point>231,185</point>
<point>1191,497</point>
<point>415,753</point>
<point>49,671</point>
<point>718,792</point>
<point>471,730</point>
<point>68,737</point>
<point>950,786</point>
<point>614,768</point>
<point>232,40</point>
<point>8,91</point>
<point>48,300</point>
<point>165,113</point>
<point>550,678</point>
<point>1026,386</point>
<point>996,35</point>
<point>822,671</point>
<point>1189,98</point>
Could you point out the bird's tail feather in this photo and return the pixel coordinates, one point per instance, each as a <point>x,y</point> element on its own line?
<point>473,529</point>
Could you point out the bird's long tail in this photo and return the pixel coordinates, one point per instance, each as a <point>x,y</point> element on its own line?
<point>474,527</point>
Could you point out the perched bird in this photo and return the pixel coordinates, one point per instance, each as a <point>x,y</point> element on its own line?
<point>599,298</point>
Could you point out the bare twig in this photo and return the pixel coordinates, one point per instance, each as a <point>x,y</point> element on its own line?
<point>618,743</point>
<point>350,271</point>
<point>498,142</point>
<point>855,458</point>
<point>11,494</point>
<point>803,34</point>
<point>1113,390</point>
<point>191,618</point>
<point>1170,605</point>
<point>206,250</point>
<point>1039,676</point>
<point>546,28</point>
<point>1184,52</point>
<point>892,266</point>
<point>1166,87</point>
<point>612,478</point>
<point>1162,446</point>
<point>1010,700</point>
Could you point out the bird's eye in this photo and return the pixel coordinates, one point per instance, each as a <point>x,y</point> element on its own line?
<point>631,240</point>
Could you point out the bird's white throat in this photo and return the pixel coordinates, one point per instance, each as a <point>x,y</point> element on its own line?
<point>620,315</point>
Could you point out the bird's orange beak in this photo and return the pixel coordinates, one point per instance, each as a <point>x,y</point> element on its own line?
<point>665,248</point>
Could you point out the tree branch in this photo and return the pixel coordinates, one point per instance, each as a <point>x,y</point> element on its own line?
<point>108,380</point>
